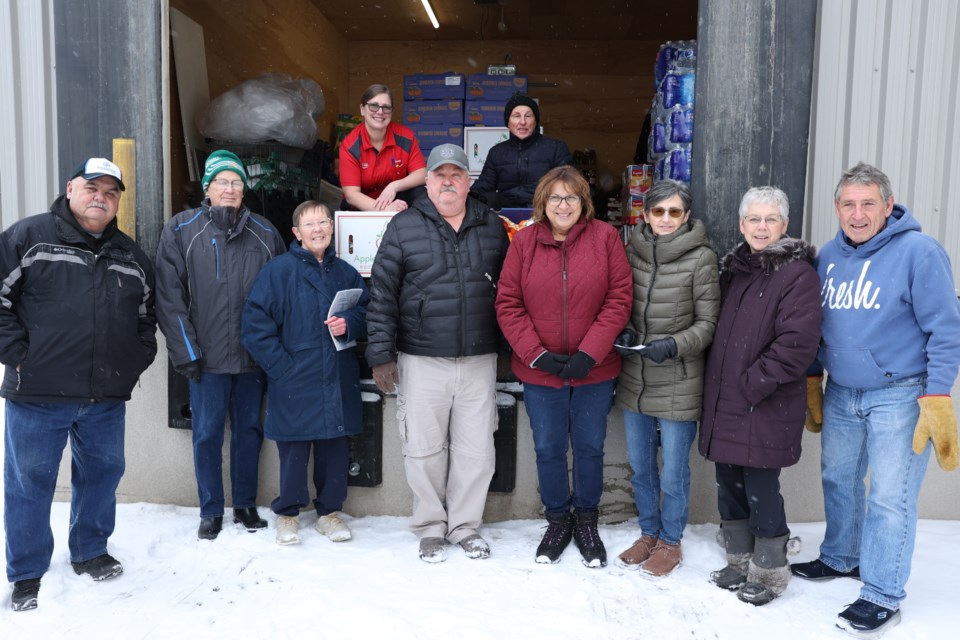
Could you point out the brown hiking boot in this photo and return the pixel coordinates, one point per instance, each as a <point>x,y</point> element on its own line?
<point>637,553</point>
<point>663,559</point>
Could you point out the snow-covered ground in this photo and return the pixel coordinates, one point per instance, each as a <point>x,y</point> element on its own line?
<point>243,585</point>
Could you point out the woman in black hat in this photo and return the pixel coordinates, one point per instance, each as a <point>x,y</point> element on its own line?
<point>513,167</point>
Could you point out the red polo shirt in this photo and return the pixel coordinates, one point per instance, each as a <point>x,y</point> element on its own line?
<point>362,166</point>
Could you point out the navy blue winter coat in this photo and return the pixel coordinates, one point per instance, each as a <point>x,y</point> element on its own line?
<point>513,168</point>
<point>313,390</point>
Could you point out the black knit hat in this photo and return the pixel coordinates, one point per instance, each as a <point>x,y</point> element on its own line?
<point>520,100</point>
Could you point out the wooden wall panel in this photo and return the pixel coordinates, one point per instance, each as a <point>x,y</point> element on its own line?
<point>603,91</point>
<point>248,39</point>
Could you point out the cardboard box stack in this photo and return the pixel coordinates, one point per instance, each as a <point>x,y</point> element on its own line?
<point>486,97</point>
<point>433,108</point>
<point>637,180</point>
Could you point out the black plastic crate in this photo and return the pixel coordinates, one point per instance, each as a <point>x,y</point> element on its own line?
<point>366,448</point>
<point>505,442</point>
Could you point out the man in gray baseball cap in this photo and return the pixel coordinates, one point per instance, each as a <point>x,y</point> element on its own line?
<point>433,339</point>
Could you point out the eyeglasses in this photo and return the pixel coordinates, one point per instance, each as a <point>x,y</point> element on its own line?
<point>223,184</point>
<point>555,200</point>
<point>319,224</point>
<point>374,107</point>
<point>659,212</point>
<point>770,220</point>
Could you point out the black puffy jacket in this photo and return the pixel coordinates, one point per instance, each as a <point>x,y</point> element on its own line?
<point>433,288</point>
<point>76,311</point>
<point>513,168</point>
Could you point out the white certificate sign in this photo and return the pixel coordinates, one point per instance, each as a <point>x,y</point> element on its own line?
<point>358,235</point>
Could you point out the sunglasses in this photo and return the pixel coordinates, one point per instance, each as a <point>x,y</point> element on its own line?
<point>659,212</point>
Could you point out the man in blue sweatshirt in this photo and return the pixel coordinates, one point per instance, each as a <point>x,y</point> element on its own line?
<point>891,349</point>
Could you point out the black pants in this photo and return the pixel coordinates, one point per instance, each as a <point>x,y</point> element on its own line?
<point>331,459</point>
<point>749,493</point>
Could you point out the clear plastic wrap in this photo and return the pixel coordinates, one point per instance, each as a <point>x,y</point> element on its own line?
<point>273,106</point>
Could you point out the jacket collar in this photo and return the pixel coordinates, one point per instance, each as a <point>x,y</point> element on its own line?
<point>529,140</point>
<point>772,258</point>
<point>70,230</point>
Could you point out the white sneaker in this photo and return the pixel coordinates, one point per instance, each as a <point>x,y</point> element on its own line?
<point>287,530</point>
<point>333,527</point>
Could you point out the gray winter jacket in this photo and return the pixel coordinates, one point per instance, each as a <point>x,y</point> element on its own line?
<point>206,265</point>
<point>675,294</point>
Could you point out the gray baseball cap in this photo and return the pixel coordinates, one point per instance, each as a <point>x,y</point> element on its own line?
<point>447,154</point>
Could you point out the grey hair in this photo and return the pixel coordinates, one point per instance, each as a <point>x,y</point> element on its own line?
<point>864,174</point>
<point>666,189</point>
<point>765,195</point>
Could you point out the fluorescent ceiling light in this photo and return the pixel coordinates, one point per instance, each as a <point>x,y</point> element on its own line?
<point>430,13</point>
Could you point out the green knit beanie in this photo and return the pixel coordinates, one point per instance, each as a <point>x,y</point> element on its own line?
<point>222,160</point>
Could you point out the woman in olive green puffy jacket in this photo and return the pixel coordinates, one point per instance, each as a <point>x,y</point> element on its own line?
<point>676,300</point>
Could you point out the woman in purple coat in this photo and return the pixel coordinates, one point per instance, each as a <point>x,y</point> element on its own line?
<point>754,391</point>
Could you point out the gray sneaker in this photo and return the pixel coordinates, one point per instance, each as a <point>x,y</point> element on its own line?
<point>475,547</point>
<point>432,550</point>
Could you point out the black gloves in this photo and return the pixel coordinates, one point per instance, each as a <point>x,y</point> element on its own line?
<point>551,362</point>
<point>386,376</point>
<point>627,339</point>
<point>578,366</point>
<point>190,370</point>
<point>660,350</point>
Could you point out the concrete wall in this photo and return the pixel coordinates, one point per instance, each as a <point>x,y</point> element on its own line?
<point>160,470</point>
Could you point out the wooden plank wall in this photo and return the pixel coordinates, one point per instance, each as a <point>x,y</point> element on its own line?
<point>603,92</point>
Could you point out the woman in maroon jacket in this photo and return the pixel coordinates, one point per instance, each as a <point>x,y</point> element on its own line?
<point>565,294</point>
<point>754,391</point>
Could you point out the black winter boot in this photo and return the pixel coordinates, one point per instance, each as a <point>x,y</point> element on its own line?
<point>557,537</point>
<point>587,538</point>
<point>738,542</point>
<point>768,572</point>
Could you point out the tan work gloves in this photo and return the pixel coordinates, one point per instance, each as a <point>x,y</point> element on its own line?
<point>814,420</point>
<point>938,423</point>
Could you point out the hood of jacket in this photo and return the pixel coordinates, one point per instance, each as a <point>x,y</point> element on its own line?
<point>70,230</point>
<point>671,247</point>
<point>771,258</point>
<point>899,221</point>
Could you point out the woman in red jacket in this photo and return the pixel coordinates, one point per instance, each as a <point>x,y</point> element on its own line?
<point>565,294</point>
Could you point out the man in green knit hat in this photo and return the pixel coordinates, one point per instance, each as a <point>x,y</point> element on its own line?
<point>206,263</point>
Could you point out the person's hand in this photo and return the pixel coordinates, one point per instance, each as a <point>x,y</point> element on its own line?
<point>938,423</point>
<point>551,362</point>
<point>396,205</point>
<point>578,367</point>
<point>660,350</point>
<point>190,370</point>
<point>814,418</point>
<point>386,376</point>
<point>386,197</point>
<point>338,326</point>
<point>626,339</point>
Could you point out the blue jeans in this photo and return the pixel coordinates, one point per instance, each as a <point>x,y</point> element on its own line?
<point>872,428</point>
<point>559,417</point>
<point>210,399</point>
<point>35,436</point>
<point>674,438</point>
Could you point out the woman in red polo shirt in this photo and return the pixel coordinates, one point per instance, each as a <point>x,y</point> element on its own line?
<point>381,165</point>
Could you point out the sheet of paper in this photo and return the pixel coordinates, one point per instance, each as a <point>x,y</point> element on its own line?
<point>345,299</point>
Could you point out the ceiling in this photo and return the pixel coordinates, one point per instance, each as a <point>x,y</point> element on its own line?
<point>380,20</point>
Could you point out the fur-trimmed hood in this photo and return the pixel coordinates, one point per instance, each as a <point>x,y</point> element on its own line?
<point>774,256</point>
